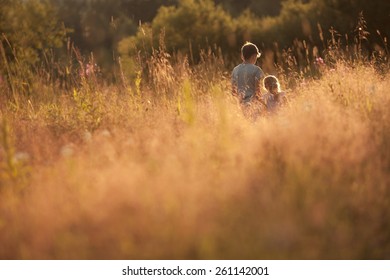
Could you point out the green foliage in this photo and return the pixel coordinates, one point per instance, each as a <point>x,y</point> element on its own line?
<point>99,25</point>
<point>88,109</point>
<point>28,28</point>
<point>258,7</point>
<point>105,26</point>
<point>211,25</point>
<point>195,24</point>
<point>186,104</point>
<point>13,165</point>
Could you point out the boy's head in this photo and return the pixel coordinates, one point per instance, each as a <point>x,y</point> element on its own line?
<point>271,84</point>
<point>248,50</point>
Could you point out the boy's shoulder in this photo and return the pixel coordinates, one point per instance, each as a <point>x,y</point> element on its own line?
<point>256,69</point>
<point>237,67</point>
<point>246,67</point>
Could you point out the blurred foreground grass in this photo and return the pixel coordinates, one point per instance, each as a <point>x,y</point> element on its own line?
<point>172,169</point>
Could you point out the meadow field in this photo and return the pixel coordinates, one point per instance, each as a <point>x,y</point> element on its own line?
<point>167,166</point>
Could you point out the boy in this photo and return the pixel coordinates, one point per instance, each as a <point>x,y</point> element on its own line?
<point>246,76</point>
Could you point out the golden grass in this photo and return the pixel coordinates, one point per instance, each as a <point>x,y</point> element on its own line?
<point>182,174</point>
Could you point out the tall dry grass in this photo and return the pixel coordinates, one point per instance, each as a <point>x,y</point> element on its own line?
<point>170,168</point>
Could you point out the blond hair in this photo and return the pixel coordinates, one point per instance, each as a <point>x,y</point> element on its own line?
<point>270,81</point>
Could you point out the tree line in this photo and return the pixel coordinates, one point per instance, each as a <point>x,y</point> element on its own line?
<point>112,28</point>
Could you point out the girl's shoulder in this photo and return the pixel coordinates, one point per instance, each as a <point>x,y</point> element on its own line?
<point>266,94</point>
<point>282,96</point>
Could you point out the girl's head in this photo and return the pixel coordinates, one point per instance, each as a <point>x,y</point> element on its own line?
<point>271,84</point>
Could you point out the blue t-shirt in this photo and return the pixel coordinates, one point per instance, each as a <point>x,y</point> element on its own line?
<point>246,78</point>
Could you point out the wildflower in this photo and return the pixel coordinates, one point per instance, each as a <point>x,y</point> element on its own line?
<point>89,70</point>
<point>319,61</point>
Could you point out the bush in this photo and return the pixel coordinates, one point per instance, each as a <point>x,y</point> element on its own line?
<point>190,27</point>
<point>28,28</point>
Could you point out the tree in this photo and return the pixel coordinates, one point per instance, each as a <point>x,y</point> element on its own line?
<point>29,27</point>
<point>260,8</point>
<point>198,24</point>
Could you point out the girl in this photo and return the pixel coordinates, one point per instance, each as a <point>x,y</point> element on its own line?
<point>273,98</point>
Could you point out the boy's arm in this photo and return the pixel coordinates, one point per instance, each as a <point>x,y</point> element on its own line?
<point>259,96</point>
<point>235,87</point>
<point>258,89</point>
<point>236,94</point>
<point>259,80</point>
